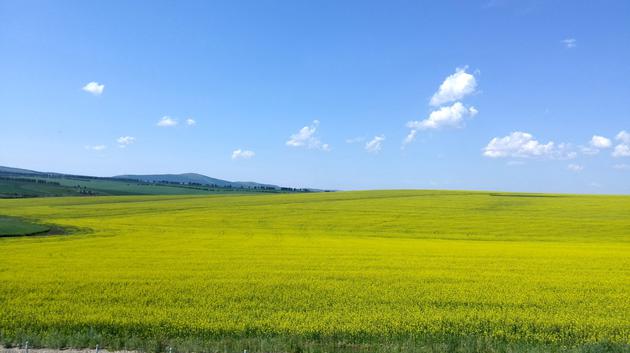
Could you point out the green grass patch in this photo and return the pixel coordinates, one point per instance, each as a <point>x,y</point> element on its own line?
<point>10,226</point>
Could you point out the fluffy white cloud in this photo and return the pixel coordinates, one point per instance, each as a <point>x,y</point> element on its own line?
<point>306,138</point>
<point>94,87</point>
<point>167,121</point>
<point>448,116</point>
<point>600,142</point>
<point>595,144</point>
<point>375,145</point>
<point>191,122</point>
<point>242,154</point>
<point>575,167</point>
<point>569,43</point>
<point>622,149</point>
<point>623,136</point>
<point>523,145</point>
<point>96,147</point>
<point>124,141</point>
<point>454,87</point>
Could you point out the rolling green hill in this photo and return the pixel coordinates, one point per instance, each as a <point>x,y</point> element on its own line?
<point>18,183</point>
<point>194,178</point>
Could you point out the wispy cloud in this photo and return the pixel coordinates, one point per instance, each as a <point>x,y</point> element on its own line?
<point>623,148</point>
<point>623,136</point>
<point>375,144</point>
<point>575,167</point>
<point>94,88</point>
<point>306,138</point>
<point>622,166</point>
<point>191,122</point>
<point>569,43</point>
<point>167,121</point>
<point>242,154</point>
<point>95,147</point>
<point>125,141</point>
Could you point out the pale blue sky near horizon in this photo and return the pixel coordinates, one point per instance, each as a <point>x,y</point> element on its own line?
<point>542,77</point>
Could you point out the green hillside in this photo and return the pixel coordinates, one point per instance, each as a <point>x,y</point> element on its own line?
<point>16,187</point>
<point>18,183</point>
<point>195,179</point>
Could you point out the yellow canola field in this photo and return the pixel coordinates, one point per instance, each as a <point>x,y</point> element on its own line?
<point>359,267</point>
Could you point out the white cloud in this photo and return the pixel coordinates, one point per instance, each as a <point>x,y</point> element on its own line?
<point>575,167</point>
<point>94,87</point>
<point>523,145</point>
<point>622,149</point>
<point>375,145</point>
<point>167,121</point>
<point>124,141</point>
<point>242,154</point>
<point>622,166</point>
<point>595,144</point>
<point>623,136</point>
<point>306,138</point>
<point>96,147</point>
<point>410,137</point>
<point>600,142</point>
<point>569,43</point>
<point>454,87</point>
<point>448,116</point>
<point>191,122</point>
<point>588,150</point>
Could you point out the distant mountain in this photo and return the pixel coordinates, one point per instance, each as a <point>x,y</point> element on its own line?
<point>17,182</point>
<point>193,178</point>
<point>10,170</point>
<point>186,178</point>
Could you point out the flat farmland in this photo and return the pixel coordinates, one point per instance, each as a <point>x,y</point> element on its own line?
<point>390,271</point>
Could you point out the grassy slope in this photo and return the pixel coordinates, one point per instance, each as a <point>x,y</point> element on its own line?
<point>111,187</point>
<point>15,188</point>
<point>68,187</point>
<point>360,271</point>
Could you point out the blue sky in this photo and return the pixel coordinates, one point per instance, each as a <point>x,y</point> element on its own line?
<point>497,95</point>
